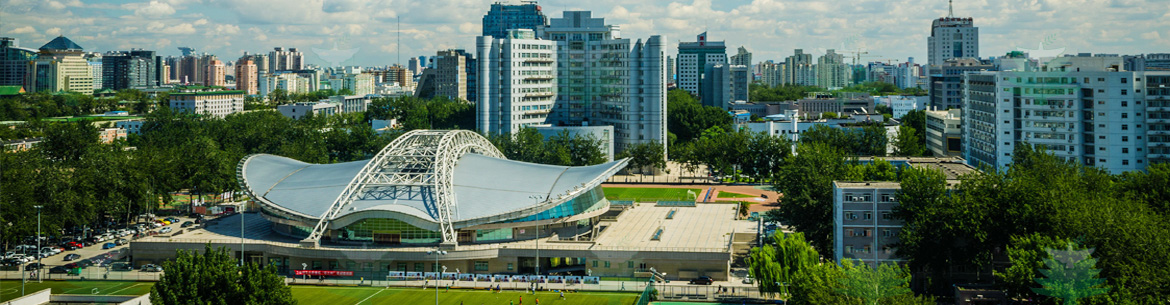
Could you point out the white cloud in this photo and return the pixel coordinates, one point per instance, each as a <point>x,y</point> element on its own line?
<point>53,32</point>
<point>152,9</point>
<point>201,22</point>
<point>226,29</point>
<point>23,30</point>
<point>178,29</point>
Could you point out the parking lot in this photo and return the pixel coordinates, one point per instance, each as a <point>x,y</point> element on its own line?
<point>102,260</point>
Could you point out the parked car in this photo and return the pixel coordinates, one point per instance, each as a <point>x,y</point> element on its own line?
<point>152,268</point>
<point>121,266</point>
<point>164,230</point>
<point>121,242</point>
<point>186,224</point>
<point>59,269</point>
<point>702,280</point>
<point>33,266</point>
<point>109,246</point>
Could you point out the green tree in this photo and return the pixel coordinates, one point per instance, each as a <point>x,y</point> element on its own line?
<point>917,120</point>
<point>1026,254</point>
<point>1071,274</point>
<point>907,143</point>
<point>776,265</point>
<point>687,119</point>
<point>69,141</point>
<point>213,277</point>
<point>806,180</point>
<point>644,156</point>
<point>873,285</point>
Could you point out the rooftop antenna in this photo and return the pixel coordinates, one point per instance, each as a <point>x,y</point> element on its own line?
<point>951,8</point>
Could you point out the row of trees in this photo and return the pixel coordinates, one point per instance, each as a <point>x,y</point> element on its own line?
<point>562,149</point>
<point>790,268</point>
<point>1041,201</point>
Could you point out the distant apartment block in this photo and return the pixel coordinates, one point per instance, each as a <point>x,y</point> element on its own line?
<point>281,59</point>
<point>944,133</point>
<point>1081,108</point>
<point>211,103</point>
<point>800,69</point>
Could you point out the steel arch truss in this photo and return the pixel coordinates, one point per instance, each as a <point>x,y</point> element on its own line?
<point>418,165</point>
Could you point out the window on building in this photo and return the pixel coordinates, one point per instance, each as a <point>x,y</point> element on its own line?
<point>510,265</point>
<point>1124,80</point>
<point>481,266</point>
<point>868,215</point>
<point>607,264</point>
<point>1124,92</point>
<point>594,264</point>
<point>1125,138</point>
<point>1124,162</point>
<point>1124,115</point>
<point>1125,150</point>
<point>1124,103</point>
<point>887,215</point>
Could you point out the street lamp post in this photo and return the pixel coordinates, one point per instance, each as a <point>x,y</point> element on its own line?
<point>241,235</point>
<point>38,251</point>
<point>437,253</point>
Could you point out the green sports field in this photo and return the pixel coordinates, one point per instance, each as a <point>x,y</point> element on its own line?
<point>649,194</point>
<point>11,289</point>
<point>735,195</point>
<point>314,295</point>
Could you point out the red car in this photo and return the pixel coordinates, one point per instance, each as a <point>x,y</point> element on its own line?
<point>76,244</point>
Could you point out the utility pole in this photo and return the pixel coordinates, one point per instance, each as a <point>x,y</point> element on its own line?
<point>38,251</point>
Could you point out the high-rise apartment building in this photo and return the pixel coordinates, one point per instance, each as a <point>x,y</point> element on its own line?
<point>952,37</point>
<point>800,69</point>
<point>214,73</point>
<point>281,59</point>
<point>831,70</point>
<point>517,85</point>
<point>14,62</point>
<point>247,75</point>
<point>450,71</point>
<point>742,58</point>
<point>504,17</point>
<point>946,81</point>
<point>693,58</point>
<point>772,74</point>
<point>606,80</point>
<point>60,66</point>
<point>1085,109</point>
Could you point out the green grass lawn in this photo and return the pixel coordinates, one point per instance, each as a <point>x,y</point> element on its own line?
<point>723,194</point>
<point>11,289</point>
<point>649,194</point>
<point>314,295</point>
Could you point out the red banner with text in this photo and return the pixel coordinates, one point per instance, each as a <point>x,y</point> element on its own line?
<point>324,272</point>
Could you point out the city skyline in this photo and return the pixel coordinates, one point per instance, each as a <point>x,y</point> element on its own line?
<point>769,29</point>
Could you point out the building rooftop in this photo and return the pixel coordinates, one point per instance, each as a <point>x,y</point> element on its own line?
<point>222,92</point>
<point>61,44</point>
<point>704,226</point>
<point>867,184</point>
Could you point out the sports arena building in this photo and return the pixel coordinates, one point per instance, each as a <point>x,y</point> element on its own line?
<point>453,190</point>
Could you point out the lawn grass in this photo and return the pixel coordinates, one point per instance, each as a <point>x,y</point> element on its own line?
<point>10,289</point>
<point>649,194</point>
<point>314,295</point>
<point>723,194</point>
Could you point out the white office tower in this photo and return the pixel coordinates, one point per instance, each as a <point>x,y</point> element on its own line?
<point>693,58</point>
<point>517,84</point>
<point>1085,109</point>
<point>603,79</point>
<point>952,37</point>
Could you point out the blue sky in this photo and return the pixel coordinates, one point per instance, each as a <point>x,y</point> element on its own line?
<point>771,29</point>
